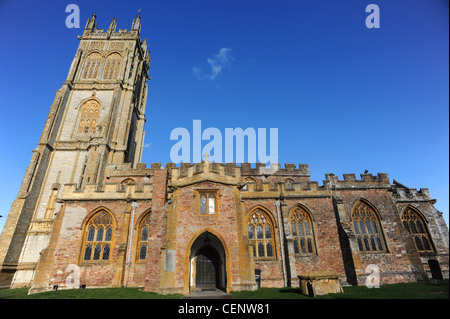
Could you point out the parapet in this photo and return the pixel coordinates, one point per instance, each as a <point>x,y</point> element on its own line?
<point>381,180</point>
<point>402,193</point>
<point>275,169</point>
<point>110,191</point>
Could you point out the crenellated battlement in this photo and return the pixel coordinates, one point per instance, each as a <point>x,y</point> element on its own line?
<point>402,193</point>
<point>110,191</point>
<point>381,180</point>
<point>245,169</point>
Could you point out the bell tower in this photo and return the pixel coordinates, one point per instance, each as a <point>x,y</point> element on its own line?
<point>96,119</point>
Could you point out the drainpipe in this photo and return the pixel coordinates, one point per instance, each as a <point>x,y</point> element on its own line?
<point>283,261</point>
<point>134,205</point>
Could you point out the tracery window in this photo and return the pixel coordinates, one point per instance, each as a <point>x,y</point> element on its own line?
<point>92,66</point>
<point>143,235</point>
<point>208,203</point>
<point>367,228</point>
<point>112,65</point>
<point>302,231</point>
<point>89,115</point>
<point>414,224</point>
<point>260,235</point>
<point>98,238</point>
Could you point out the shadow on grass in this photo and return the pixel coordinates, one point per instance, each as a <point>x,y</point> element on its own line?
<point>427,290</point>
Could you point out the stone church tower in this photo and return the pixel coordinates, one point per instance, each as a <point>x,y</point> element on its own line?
<point>90,214</point>
<point>97,119</point>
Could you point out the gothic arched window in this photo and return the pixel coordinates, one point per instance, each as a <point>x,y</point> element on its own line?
<point>112,65</point>
<point>261,235</point>
<point>89,116</point>
<point>302,231</point>
<point>143,234</point>
<point>92,66</point>
<point>97,239</point>
<point>415,225</point>
<point>367,228</point>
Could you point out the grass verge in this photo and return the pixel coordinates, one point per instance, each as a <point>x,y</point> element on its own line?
<point>438,290</point>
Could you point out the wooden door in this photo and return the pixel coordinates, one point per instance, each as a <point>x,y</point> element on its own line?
<point>207,268</point>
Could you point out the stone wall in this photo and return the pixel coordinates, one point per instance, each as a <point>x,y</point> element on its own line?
<point>178,228</point>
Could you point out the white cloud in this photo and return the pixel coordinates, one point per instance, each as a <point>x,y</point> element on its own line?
<point>216,63</point>
<point>147,144</point>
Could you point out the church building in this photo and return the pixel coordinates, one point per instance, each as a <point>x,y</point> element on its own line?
<point>90,214</point>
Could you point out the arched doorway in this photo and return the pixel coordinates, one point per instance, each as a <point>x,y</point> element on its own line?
<point>207,263</point>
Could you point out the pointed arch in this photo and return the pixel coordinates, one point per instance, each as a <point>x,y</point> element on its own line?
<point>302,230</point>
<point>89,113</point>
<point>261,233</point>
<point>92,66</point>
<point>98,236</point>
<point>189,253</point>
<point>367,227</point>
<point>143,234</point>
<point>264,209</point>
<point>415,223</point>
<point>112,65</point>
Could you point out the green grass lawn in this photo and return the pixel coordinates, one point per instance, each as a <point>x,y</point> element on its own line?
<point>437,290</point>
<point>395,291</point>
<point>95,293</point>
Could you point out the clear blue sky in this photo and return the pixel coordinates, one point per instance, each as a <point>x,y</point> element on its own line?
<point>344,98</point>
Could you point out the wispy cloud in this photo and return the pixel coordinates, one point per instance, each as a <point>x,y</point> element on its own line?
<point>146,145</point>
<point>216,63</point>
